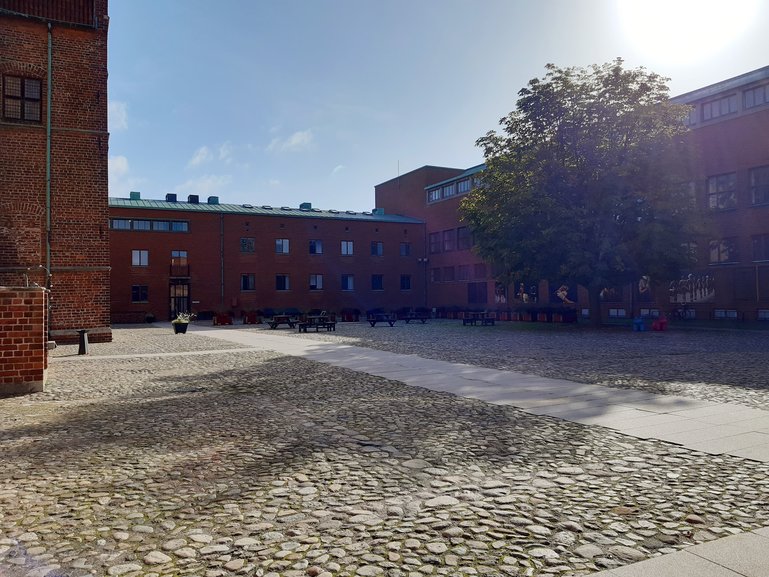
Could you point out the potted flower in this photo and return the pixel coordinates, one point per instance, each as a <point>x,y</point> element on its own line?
<point>180,322</point>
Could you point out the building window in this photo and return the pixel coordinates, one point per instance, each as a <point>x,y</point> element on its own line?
<point>281,282</point>
<point>448,274</point>
<point>476,293</point>
<point>449,190</point>
<point>433,195</point>
<point>377,248</point>
<point>435,242</point>
<point>720,107</point>
<point>761,247</point>
<point>479,271</point>
<point>316,282</point>
<point>722,191</point>
<point>348,283</point>
<point>120,224</point>
<point>405,249</point>
<point>247,245</point>
<point>464,272</point>
<point>377,282</point>
<point>140,294</point>
<point>281,246</point>
<point>179,265</point>
<point>405,282</point>
<point>180,226</point>
<point>464,186</point>
<point>140,258</point>
<point>141,225</point>
<point>161,225</point>
<point>435,275</point>
<point>449,240</point>
<point>759,185</point>
<point>464,238</point>
<point>723,251</point>
<point>22,98</point>
<point>316,247</point>
<point>248,282</point>
<point>347,248</point>
<point>756,96</point>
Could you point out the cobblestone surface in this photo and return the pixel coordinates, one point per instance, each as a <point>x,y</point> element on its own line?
<point>252,463</point>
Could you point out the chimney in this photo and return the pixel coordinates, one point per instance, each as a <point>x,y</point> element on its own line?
<point>193,199</point>
<point>171,197</point>
<point>213,200</point>
<point>305,206</point>
<point>135,195</point>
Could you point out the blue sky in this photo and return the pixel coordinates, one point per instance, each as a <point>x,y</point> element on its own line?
<point>287,101</point>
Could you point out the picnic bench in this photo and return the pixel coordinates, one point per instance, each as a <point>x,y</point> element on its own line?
<point>317,322</point>
<point>374,318</point>
<point>482,318</point>
<point>416,316</point>
<point>282,320</point>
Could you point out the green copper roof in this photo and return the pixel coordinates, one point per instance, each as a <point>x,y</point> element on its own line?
<point>306,211</point>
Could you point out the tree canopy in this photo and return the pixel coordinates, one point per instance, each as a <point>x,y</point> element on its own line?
<point>588,182</point>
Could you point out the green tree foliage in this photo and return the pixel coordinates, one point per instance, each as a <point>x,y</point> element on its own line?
<point>587,183</point>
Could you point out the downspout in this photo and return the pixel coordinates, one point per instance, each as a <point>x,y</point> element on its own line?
<point>221,262</point>
<point>49,100</point>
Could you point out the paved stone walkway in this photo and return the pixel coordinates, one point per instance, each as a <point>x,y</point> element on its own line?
<point>186,455</point>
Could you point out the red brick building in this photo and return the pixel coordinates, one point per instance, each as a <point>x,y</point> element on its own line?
<point>53,158</point>
<point>172,256</point>
<point>729,126</point>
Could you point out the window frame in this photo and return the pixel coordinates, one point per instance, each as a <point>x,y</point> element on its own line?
<point>721,194</point>
<point>377,248</point>
<point>347,248</point>
<point>140,257</point>
<point>25,101</point>
<point>377,282</point>
<point>138,291</point>
<point>282,246</point>
<point>405,282</point>
<point>316,282</point>
<point>247,282</point>
<point>347,282</point>
<point>759,187</point>
<point>282,282</point>
<point>315,246</point>
<point>247,244</point>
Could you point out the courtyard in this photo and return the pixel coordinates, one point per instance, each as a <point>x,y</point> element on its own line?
<point>170,455</point>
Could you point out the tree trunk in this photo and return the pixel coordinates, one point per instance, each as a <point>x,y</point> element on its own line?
<point>594,300</point>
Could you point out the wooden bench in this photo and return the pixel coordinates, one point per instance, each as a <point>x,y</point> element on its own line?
<point>421,317</point>
<point>484,319</point>
<point>282,320</point>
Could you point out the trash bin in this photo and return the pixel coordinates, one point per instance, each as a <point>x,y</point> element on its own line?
<point>638,324</point>
<point>83,342</point>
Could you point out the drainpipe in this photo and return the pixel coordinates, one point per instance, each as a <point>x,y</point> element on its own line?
<point>48,106</point>
<point>221,262</point>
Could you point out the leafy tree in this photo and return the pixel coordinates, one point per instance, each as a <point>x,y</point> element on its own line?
<point>587,183</point>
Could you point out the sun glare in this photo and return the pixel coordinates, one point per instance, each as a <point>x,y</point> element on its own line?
<point>684,31</point>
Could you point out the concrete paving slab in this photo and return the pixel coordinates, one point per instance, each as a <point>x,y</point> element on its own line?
<point>722,414</point>
<point>756,452</point>
<point>705,434</point>
<point>764,532</point>
<point>614,418</point>
<point>681,564</point>
<point>746,553</point>
<point>730,444</point>
<point>652,431</point>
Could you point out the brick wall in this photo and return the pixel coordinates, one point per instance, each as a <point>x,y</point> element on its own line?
<point>23,336</point>
<point>76,249</point>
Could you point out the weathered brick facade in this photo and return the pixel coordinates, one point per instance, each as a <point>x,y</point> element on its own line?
<point>22,340</point>
<point>53,158</point>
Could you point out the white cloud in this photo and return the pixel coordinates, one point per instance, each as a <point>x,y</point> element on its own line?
<point>337,169</point>
<point>273,182</point>
<point>202,154</point>
<point>210,184</point>
<point>300,140</point>
<point>117,115</point>
<point>120,180</point>
<point>225,152</point>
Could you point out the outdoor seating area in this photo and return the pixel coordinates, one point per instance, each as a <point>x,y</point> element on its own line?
<point>379,316</point>
<point>322,321</point>
<point>483,318</point>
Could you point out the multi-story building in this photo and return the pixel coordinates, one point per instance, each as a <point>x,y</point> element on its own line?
<point>729,125</point>
<point>53,158</point>
<point>173,256</point>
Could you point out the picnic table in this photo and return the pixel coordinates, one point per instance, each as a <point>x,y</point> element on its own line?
<point>317,322</point>
<point>484,318</point>
<point>374,318</point>
<point>416,316</point>
<point>282,320</point>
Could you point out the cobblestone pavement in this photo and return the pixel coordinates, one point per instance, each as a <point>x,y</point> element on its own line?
<point>712,365</point>
<point>236,462</point>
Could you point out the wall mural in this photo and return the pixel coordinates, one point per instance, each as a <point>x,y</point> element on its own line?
<point>693,288</point>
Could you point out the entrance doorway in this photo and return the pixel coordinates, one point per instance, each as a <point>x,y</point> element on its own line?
<point>179,291</point>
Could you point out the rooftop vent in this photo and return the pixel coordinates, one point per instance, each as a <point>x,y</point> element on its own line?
<point>213,200</point>
<point>247,205</point>
<point>305,206</point>
<point>135,195</point>
<point>378,211</point>
<point>193,199</point>
<point>333,211</point>
<point>286,208</point>
<point>351,212</point>
<point>266,207</point>
<point>171,197</point>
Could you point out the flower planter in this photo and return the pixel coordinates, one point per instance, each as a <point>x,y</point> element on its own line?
<point>180,328</point>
